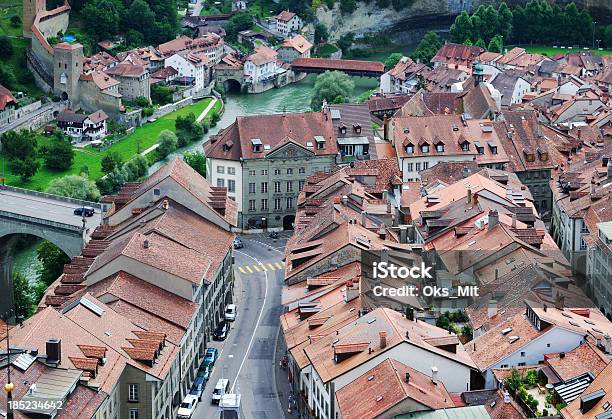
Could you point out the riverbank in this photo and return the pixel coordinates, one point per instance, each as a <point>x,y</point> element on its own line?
<point>143,138</point>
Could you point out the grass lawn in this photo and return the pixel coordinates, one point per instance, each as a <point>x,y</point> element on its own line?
<point>8,9</point>
<point>550,51</point>
<point>326,50</point>
<point>141,139</point>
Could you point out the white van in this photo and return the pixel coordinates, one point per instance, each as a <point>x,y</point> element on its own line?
<point>220,389</point>
<point>230,312</point>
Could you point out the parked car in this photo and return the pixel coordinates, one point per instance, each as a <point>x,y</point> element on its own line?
<point>238,244</point>
<point>204,372</point>
<point>230,312</point>
<point>187,407</point>
<point>87,211</point>
<point>210,357</point>
<point>220,389</point>
<point>198,387</point>
<point>221,331</point>
<point>273,235</point>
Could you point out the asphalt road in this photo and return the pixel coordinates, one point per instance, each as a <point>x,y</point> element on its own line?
<point>247,355</point>
<point>45,208</point>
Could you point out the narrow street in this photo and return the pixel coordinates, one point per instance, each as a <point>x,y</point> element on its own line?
<point>247,356</point>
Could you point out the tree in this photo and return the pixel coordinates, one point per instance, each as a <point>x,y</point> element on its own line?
<point>7,76</point>
<point>6,46</point>
<point>160,94</point>
<point>22,292</point>
<point>320,33</point>
<point>58,153</point>
<point>239,22</point>
<point>214,118</point>
<point>15,21</point>
<point>345,41</point>
<point>462,29</point>
<point>25,168</point>
<point>197,160</point>
<point>135,168</point>
<point>102,17</point>
<point>348,6</point>
<point>328,86</point>
<point>140,19</point>
<point>427,48</point>
<point>20,148</point>
<point>52,260</point>
<point>608,36</point>
<point>142,101</point>
<point>481,43</point>
<point>514,381</point>
<point>468,42</point>
<point>134,39</point>
<point>496,44</point>
<point>167,142</point>
<point>504,22</point>
<point>392,60</point>
<point>110,161</point>
<point>74,186</point>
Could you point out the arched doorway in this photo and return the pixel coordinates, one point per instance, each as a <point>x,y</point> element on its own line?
<point>232,86</point>
<point>64,96</point>
<point>288,222</point>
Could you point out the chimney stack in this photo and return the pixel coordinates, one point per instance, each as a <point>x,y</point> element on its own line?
<point>513,220</point>
<point>434,375</point>
<point>403,234</point>
<point>383,339</point>
<point>384,255</point>
<point>382,232</point>
<point>407,377</point>
<point>493,218</point>
<point>469,196</point>
<point>610,168</point>
<point>54,351</point>
<point>363,218</point>
<point>344,199</point>
<point>492,308</point>
<point>352,290</point>
<point>607,341</point>
<point>145,244</point>
<point>560,302</point>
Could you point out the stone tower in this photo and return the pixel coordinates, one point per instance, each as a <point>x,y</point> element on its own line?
<point>67,68</point>
<point>30,9</point>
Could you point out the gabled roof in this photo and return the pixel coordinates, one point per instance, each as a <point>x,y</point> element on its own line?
<point>299,43</point>
<point>285,16</point>
<point>602,382</point>
<point>6,98</point>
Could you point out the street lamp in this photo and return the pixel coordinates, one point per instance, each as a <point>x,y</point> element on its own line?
<point>9,386</point>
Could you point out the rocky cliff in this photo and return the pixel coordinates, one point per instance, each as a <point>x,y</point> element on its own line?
<point>422,15</point>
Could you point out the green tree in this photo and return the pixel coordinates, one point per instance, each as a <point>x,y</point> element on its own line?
<point>52,260</point>
<point>496,44</point>
<point>321,33</point>
<point>7,76</point>
<point>6,46</point>
<point>392,60</point>
<point>141,19</point>
<point>167,142</point>
<point>462,29</point>
<point>608,36</point>
<point>197,160</point>
<point>239,22</point>
<point>15,21</point>
<point>58,154</point>
<point>214,117</point>
<point>110,161</point>
<point>427,48</point>
<point>468,42</point>
<point>135,168</point>
<point>25,168</point>
<point>514,381</point>
<point>345,41</point>
<point>328,86</point>
<point>160,94</point>
<point>74,186</point>
<point>134,39</point>
<point>348,6</point>
<point>505,19</point>
<point>102,17</point>
<point>481,43</point>
<point>22,292</point>
<point>19,144</point>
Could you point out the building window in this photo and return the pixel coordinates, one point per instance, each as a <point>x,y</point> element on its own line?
<point>302,170</point>
<point>301,185</point>
<point>277,187</point>
<point>523,354</point>
<point>289,186</point>
<point>417,167</point>
<point>133,413</point>
<point>264,187</point>
<point>409,167</point>
<point>156,192</point>
<point>290,171</point>
<point>289,202</point>
<point>252,187</point>
<point>264,172</point>
<point>277,204</point>
<point>132,392</point>
<point>251,205</point>
<point>425,148</point>
<point>440,148</point>
<point>409,149</point>
<point>220,169</point>
<point>277,172</point>
<point>220,182</point>
<point>264,204</point>
<point>425,165</point>
<point>465,146</point>
<point>231,185</point>
<point>251,172</point>
<point>231,170</point>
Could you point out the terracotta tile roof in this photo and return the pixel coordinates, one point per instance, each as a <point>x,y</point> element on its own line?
<point>98,116</point>
<point>263,55</point>
<point>299,43</point>
<point>602,382</point>
<point>458,54</point>
<point>285,16</point>
<point>93,351</point>
<point>183,42</point>
<point>399,331</point>
<point>424,103</point>
<point>333,64</point>
<point>6,98</point>
<point>406,69</point>
<point>127,69</point>
<point>503,407</point>
<point>449,172</point>
<point>275,130</point>
<point>581,360</point>
<point>384,386</point>
<point>100,79</point>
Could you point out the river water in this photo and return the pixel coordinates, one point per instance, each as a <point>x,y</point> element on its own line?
<point>292,98</point>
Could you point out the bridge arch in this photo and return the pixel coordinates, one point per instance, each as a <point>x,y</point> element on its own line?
<point>232,85</point>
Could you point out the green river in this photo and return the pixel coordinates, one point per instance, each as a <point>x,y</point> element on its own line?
<point>292,98</point>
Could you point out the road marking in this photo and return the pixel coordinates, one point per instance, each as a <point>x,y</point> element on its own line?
<point>278,265</point>
<point>256,324</point>
<point>256,268</point>
<point>249,269</point>
<point>241,270</point>
<point>271,267</point>
<point>263,267</point>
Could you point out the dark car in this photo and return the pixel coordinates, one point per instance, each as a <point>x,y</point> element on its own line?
<point>210,357</point>
<point>221,331</point>
<point>204,372</point>
<point>86,211</point>
<point>198,387</point>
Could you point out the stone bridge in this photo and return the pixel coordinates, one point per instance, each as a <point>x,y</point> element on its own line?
<point>50,217</point>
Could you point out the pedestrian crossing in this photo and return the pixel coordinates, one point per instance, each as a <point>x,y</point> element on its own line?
<point>260,267</point>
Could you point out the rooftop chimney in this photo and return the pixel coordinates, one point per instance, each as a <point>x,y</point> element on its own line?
<point>145,244</point>
<point>610,168</point>
<point>407,377</point>
<point>383,339</point>
<point>607,342</point>
<point>363,218</point>
<point>352,290</point>
<point>54,351</point>
<point>492,308</point>
<point>344,199</point>
<point>403,234</point>
<point>434,375</point>
<point>469,196</point>
<point>493,218</point>
<point>560,302</point>
<point>165,204</point>
<point>382,233</point>
<point>513,220</point>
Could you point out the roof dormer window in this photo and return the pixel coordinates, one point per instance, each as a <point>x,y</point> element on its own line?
<point>321,141</point>
<point>357,128</point>
<point>424,148</point>
<point>410,149</point>
<point>257,145</point>
<point>440,147</point>
<point>342,130</point>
